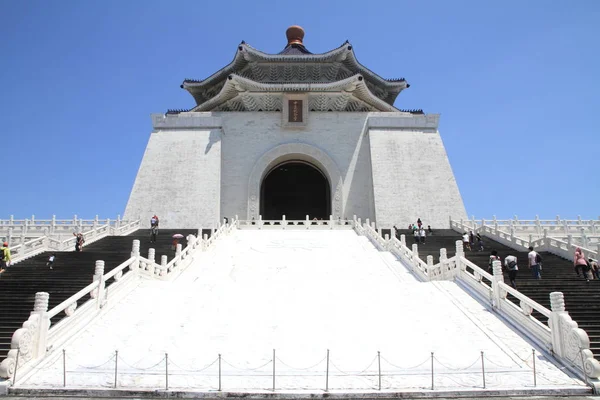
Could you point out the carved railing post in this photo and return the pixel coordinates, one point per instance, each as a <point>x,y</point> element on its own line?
<point>98,293</point>
<point>151,257</point>
<point>569,342</point>
<point>29,342</point>
<point>135,252</point>
<point>460,252</point>
<point>444,263</point>
<point>403,240</point>
<point>498,294</point>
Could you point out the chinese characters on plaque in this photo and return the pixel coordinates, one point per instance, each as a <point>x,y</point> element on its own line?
<point>295,111</point>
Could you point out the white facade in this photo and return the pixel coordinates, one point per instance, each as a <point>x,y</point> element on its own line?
<point>390,167</point>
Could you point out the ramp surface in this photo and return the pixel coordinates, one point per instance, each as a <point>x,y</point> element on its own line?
<point>300,293</point>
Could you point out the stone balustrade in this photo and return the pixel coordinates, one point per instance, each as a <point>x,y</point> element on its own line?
<point>30,344</point>
<point>41,244</point>
<point>561,337</point>
<point>563,247</point>
<point>538,227</point>
<point>19,231</point>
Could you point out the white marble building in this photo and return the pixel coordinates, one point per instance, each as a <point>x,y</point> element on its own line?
<point>295,134</point>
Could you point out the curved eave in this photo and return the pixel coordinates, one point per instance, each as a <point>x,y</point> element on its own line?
<point>246,54</point>
<point>236,84</point>
<point>394,87</point>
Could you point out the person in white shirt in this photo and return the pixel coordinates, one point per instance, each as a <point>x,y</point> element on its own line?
<point>50,262</point>
<point>510,262</point>
<point>534,263</point>
<point>466,243</point>
<point>422,235</point>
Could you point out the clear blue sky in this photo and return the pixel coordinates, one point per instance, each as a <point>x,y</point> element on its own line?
<point>516,83</point>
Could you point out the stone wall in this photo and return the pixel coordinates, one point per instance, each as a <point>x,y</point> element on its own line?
<point>179,179</point>
<point>413,179</point>
<point>388,167</point>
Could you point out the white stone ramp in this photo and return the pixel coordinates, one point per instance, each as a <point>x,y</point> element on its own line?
<point>301,293</point>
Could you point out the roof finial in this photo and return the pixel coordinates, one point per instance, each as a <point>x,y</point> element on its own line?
<point>294,34</point>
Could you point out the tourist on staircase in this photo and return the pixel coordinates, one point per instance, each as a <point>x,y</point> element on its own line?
<point>510,262</point>
<point>479,242</point>
<point>79,241</point>
<point>493,257</point>
<point>422,235</point>
<point>535,263</point>
<point>50,261</point>
<point>466,243</point>
<point>595,269</point>
<point>580,264</point>
<point>4,257</point>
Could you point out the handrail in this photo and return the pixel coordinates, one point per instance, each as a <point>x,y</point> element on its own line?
<point>62,306</point>
<point>119,268</point>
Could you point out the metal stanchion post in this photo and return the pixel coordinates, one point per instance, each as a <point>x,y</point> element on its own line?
<point>432,371</point>
<point>483,369</point>
<point>64,368</point>
<point>16,365</point>
<point>219,372</point>
<point>166,371</point>
<point>379,365</point>
<point>327,373</point>
<point>116,365</point>
<point>534,375</point>
<point>273,369</point>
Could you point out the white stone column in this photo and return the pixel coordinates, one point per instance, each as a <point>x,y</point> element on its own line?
<point>40,308</point>
<point>151,257</point>
<point>460,252</point>
<point>135,252</point>
<point>498,277</point>
<point>444,263</point>
<point>98,293</point>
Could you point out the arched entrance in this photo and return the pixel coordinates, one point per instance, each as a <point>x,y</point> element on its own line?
<point>295,189</point>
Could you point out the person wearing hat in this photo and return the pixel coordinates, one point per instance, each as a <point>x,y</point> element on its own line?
<point>4,257</point>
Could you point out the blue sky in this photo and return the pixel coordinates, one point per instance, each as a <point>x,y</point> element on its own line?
<point>516,84</point>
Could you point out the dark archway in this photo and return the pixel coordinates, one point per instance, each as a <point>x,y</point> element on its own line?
<point>295,189</point>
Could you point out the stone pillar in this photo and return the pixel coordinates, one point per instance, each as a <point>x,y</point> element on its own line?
<point>98,293</point>
<point>498,293</point>
<point>135,252</point>
<point>584,240</point>
<point>415,250</point>
<point>460,252</point>
<point>151,257</point>
<point>40,308</point>
<point>178,250</point>
<point>403,240</point>
<point>163,261</point>
<point>53,224</point>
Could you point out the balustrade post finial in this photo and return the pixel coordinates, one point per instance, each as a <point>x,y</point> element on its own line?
<point>430,261</point>
<point>498,277</point>
<point>403,240</point>
<point>415,250</point>
<point>557,302</point>
<point>41,302</point>
<point>151,254</point>
<point>178,250</point>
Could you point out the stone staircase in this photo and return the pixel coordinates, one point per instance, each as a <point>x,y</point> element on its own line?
<point>72,271</point>
<point>582,298</point>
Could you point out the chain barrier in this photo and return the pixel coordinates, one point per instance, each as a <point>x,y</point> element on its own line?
<point>477,361</point>
<point>91,367</point>
<point>302,369</point>
<point>354,374</point>
<point>370,376</point>
<point>428,359</point>
<point>247,369</point>
<point>207,366</point>
<point>142,369</point>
